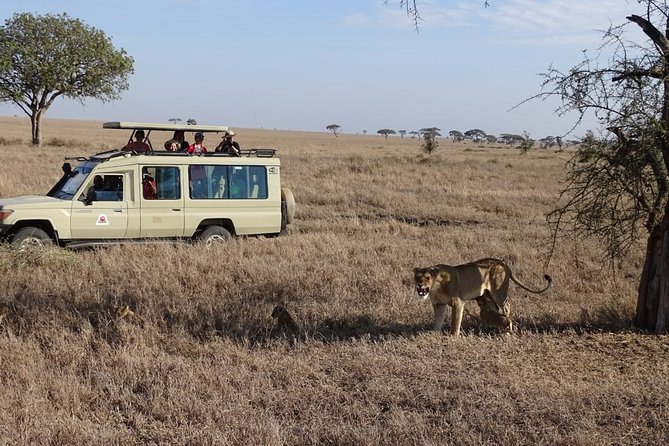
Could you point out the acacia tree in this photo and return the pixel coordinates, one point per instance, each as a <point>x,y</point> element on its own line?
<point>434,131</point>
<point>476,135</point>
<point>457,135</point>
<point>618,182</point>
<point>334,128</point>
<point>44,57</point>
<point>386,132</point>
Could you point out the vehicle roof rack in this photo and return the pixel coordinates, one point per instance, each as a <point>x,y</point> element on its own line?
<point>164,127</point>
<point>102,156</point>
<point>260,153</point>
<point>115,153</point>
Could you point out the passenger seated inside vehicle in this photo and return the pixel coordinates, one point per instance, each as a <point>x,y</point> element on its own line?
<point>149,189</point>
<point>237,187</point>
<point>105,188</point>
<point>167,182</point>
<point>220,190</point>
<point>198,181</point>
<point>92,192</point>
<point>255,188</point>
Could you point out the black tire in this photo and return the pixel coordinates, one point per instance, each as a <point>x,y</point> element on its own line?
<point>287,196</point>
<point>214,234</point>
<point>31,237</point>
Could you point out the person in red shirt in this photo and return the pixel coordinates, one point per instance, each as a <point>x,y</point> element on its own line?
<point>138,145</point>
<point>197,148</point>
<point>149,187</point>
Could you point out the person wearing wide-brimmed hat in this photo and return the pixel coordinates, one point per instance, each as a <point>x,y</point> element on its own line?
<point>173,145</point>
<point>228,145</point>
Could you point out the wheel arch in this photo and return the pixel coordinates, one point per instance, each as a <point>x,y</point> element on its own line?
<point>44,225</point>
<point>223,222</point>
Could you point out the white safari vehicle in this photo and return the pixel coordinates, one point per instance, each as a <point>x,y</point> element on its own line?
<point>120,196</point>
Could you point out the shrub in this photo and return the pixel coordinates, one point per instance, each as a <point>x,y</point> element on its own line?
<point>430,143</point>
<point>10,141</point>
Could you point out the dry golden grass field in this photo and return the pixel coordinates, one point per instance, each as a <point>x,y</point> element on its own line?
<point>200,363</point>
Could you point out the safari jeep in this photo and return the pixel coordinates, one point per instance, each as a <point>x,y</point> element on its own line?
<point>106,198</point>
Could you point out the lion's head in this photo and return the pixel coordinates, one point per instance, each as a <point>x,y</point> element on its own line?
<point>423,277</point>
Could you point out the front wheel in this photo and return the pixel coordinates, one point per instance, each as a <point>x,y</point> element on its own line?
<point>214,234</point>
<point>31,237</point>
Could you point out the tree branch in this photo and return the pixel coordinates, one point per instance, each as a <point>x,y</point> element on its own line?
<point>655,35</point>
<point>652,72</point>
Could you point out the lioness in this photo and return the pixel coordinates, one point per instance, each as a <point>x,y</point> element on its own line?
<point>453,285</point>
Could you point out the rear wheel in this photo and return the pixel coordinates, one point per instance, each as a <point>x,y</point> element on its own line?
<point>31,237</point>
<point>287,196</point>
<point>214,234</point>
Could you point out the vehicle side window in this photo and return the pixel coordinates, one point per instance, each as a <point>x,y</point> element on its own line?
<point>248,182</point>
<point>112,188</point>
<point>222,182</point>
<point>258,178</point>
<point>198,181</point>
<point>168,182</point>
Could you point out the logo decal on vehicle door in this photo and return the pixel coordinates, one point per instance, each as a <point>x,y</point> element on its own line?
<point>102,220</point>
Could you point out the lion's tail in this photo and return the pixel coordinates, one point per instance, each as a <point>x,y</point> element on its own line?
<point>547,278</point>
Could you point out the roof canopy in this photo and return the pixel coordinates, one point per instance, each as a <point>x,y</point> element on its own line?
<point>167,127</point>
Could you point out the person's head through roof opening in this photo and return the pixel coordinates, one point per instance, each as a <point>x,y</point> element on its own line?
<point>172,145</point>
<point>139,135</point>
<point>199,137</point>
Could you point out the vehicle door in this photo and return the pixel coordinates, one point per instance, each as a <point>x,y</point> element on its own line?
<point>162,202</point>
<point>101,211</point>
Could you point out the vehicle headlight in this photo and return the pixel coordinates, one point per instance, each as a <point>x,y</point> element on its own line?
<point>4,214</point>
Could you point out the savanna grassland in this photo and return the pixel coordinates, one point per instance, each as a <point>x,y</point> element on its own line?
<point>200,362</point>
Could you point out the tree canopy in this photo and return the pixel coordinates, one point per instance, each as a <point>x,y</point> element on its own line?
<point>386,132</point>
<point>434,131</point>
<point>44,57</point>
<point>618,181</point>
<point>334,128</point>
<point>475,135</point>
<point>457,135</point>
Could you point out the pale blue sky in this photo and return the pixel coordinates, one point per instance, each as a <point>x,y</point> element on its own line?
<point>305,64</point>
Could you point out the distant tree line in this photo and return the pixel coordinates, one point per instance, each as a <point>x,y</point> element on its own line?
<point>524,142</point>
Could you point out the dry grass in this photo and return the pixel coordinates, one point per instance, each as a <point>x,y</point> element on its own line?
<point>199,361</point>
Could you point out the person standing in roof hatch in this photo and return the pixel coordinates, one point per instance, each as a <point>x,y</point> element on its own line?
<point>197,148</point>
<point>228,145</point>
<point>138,145</point>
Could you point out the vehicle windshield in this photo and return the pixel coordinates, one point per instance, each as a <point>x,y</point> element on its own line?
<point>68,185</point>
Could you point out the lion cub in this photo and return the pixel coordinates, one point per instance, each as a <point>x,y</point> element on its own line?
<point>284,321</point>
<point>454,285</point>
<point>494,316</point>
